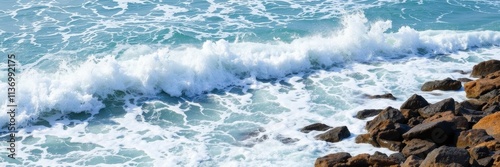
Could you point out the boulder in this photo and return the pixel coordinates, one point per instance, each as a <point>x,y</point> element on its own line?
<point>440,132</point>
<point>492,106</point>
<point>335,134</point>
<point>410,113</point>
<point>488,95</point>
<point>472,104</point>
<point>367,113</point>
<point>412,161</point>
<point>315,126</point>
<point>476,88</point>
<point>441,106</point>
<point>381,159</point>
<point>491,124</point>
<point>484,68</point>
<point>472,137</point>
<point>459,121</point>
<point>446,84</point>
<point>398,157</point>
<point>414,102</point>
<point>359,160</point>
<point>366,138</point>
<point>480,156</point>
<point>444,156</point>
<point>418,147</point>
<point>333,160</point>
<point>383,96</point>
<point>391,114</point>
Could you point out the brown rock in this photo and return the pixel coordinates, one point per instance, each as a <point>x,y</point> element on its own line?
<point>484,68</point>
<point>398,157</point>
<point>473,104</point>
<point>381,159</point>
<point>412,161</point>
<point>410,113</point>
<point>412,122</point>
<point>492,106</point>
<point>414,102</point>
<point>459,121</point>
<point>383,96</point>
<point>391,114</point>
<point>481,86</point>
<point>359,160</point>
<point>480,156</point>
<point>333,160</point>
<point>491,124</point>
<point>446,84</point>
<point>315,126</point>
<point>441,106</point>
<point>496,159</point>
<point>418,147</point>
<point>440,132</point>
<point>465,80</point>
<point>367,113</point>
<point>335,134</point>
<point>366,138</point>
<point>445,155</point>
<point>488,95</point>
<point>492,145</point>
<point>472,137</point>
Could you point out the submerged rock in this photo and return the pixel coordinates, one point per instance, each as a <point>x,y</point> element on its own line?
<point>383,96</point>
<point>316,127</point>
<point>367,113</point>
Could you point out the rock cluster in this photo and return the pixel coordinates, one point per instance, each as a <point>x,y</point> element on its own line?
<point>446,133</point>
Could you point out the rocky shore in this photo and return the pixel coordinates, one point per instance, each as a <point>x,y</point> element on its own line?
<point>446,133</point>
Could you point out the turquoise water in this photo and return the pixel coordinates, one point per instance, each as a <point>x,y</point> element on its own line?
<point>222,83</point>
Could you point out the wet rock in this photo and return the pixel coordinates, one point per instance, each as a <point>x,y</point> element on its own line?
<point>446,84</point>
<point>472,137</point>
<point>418,147</point>
<point>491,124</point>
<point>445,155</point>
<point>391,114</point>
<point>359,160</point>
<point>440,132</point>
<point>367,113</point>
<point>441,106</point>
<point>412,161</point>
<point>383,96</point>
<point>476,88</point>
<point>464,80</point>
<point>335,134</point>
<point>381,159</point>
<point>333,160</point>
<point>484,68</point>
<point>316,127</point>
<point>414,102</point>
<point>460,71</point>
<point>286,140</point>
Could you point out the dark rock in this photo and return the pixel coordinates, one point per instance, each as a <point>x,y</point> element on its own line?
<point>359,160</point>
<point>472,137</point>
<point>335,134</point>
<point>286,140</point>
<point>460,71</point>
<point>486,162</point>
<point>366,138</point>
<point>492,106</point>
<point>398,157</point>
<point>391,114</point>
<point>383,96</point>
<point>484,68</point>
<point>410,113</point>
<point>480,156</point>
<point>459,121</point>
<point>465,80</point>
<point>315,126</point>
<point>332,160</point>
<point>446,84</point>
<point>439,132</point>
<point>488,95</point>
<point>381,159</point>
<point>473,119</point>
<point>391,144</point>
<point>476,88</point>
<point>402,128</point>
<point>367,113</point>
<point>412,122</point>
<point>445,155</point>
<point>441,106</point>
<point>418,147</point>
<point>412,161</point>
<point>491,124</point>
<point>492,145</point>
<point>414,102</point>
<point>496,159</point>
<point>473,104</point>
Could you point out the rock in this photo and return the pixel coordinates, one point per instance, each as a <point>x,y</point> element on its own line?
<point>383,96</point>
<point>446,84</point>
<point>401,128</point>
<point>366,138</point>
<point>487,96</point>
<point>459,121</point>
<point>441,106</point>
<point>409,113</point>
<point>381,159</point>
<point>391,114</point>
<point>335,134</point>
<point>476,88</point>
<point>412,122</point>
<point>491,124</point>
<point>332,160</point>
<point>359,160</point>
<point>496,159</point>
<point>465,80</point>
<point>418,147</point>
<point>445,155</point>
<point>460,71</point>
<point>390,144</point>
<point>484,68</point>
<point>367,113</point>
<point>492,106</point>
<point>472,137</point>
<point>480,156</point>
<point>414,102</point>
<point>492,145</point>
<point>412,161</point>
<point>440,132</point>
<point>472,104</point>
<point>315,126</point>
<point>398,157</point>
<point>486,162</point>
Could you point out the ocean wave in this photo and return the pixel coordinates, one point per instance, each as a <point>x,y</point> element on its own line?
<point>190,70</point>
